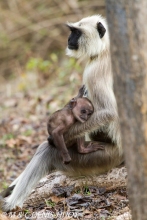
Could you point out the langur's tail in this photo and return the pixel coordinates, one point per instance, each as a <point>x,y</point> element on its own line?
<point>39,166</point>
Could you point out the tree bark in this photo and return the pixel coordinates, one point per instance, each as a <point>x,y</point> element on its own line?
<point>128,34</point>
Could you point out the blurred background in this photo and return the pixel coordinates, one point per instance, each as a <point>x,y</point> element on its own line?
<point>36,77</point>
<point>35,29</point>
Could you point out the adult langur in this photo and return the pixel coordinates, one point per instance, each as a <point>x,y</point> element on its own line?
<point>89,38</point>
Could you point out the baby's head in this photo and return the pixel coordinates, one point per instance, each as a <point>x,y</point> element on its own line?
<point>82,108</point>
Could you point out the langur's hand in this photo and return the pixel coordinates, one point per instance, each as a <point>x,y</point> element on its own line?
<point>81,92</point>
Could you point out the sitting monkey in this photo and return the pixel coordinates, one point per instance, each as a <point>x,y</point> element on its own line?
<point>77,109</point>
<point>89,39</point>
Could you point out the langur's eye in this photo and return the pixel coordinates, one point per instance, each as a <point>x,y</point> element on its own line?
<point>75,31</point>
<point>83,111</point>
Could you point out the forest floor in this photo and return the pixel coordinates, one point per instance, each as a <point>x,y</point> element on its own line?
<point>24,108</point>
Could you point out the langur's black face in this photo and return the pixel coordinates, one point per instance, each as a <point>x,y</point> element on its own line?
<point>88,38</point>
<point>73,38</point>
<point>83,109</point>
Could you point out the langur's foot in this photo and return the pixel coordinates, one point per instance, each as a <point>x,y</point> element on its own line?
<point>92,147</point>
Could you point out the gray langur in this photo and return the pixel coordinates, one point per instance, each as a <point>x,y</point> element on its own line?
<point>89,38</point>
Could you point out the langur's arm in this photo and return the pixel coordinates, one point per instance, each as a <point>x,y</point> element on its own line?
<point>57,135</point>
<point>98,119</point>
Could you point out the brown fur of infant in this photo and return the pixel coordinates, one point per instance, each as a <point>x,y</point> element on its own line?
<point>77,109</point>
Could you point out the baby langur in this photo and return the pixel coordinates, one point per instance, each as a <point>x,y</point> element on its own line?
<point>77,109</point>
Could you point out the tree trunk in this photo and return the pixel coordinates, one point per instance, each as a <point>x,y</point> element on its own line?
<point>128,34</point>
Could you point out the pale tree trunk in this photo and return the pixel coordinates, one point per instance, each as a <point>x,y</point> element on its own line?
<point>127,21</point>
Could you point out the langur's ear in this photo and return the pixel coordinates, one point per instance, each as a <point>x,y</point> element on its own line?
<point>72,103</point>
<point>101,29</point>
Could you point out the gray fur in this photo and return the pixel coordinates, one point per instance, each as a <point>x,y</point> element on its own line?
<point>35,170</point>
<point>99,83</point>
